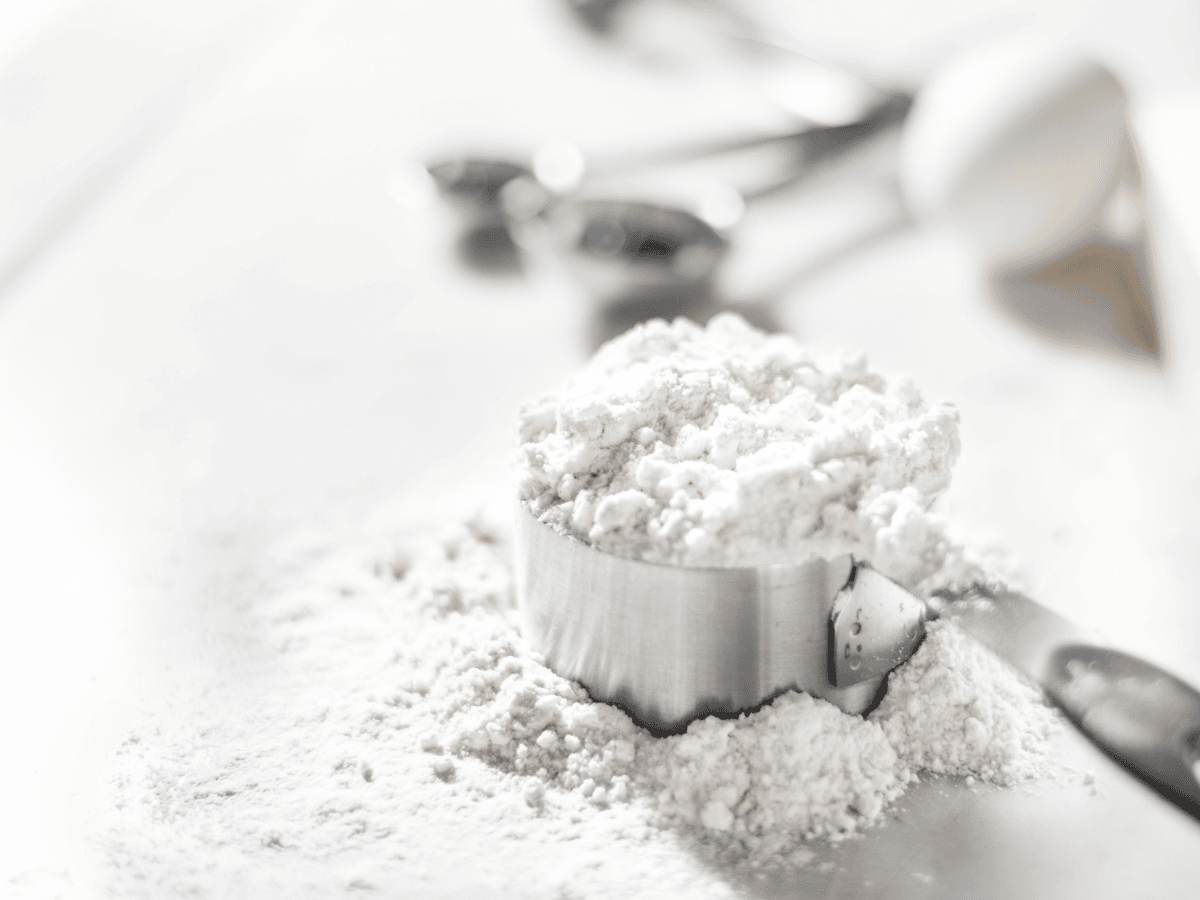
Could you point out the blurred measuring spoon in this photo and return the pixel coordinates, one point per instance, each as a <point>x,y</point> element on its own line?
<point>480,187</point>
<point>1025,147</point>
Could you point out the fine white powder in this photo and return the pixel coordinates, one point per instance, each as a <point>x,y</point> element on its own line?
<point>726,446</point>
<point>954,709</point>
<point>401,737</point>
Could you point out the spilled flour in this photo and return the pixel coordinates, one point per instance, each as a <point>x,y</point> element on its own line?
<point>401,741</point>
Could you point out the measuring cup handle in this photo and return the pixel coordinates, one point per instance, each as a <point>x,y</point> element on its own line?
<point>1144,718</point>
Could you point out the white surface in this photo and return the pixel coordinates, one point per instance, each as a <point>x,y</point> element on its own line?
<point>251,335</point>
<point>21,23</point>
<point>1168,131</point>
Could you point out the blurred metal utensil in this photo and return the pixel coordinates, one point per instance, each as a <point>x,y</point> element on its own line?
<point>641,260</point>
<point>475,181</point>
<point>1027,150</point>
<point>598,16</point>
<point>1029,153</point>
<point>1033,159</point>
<point>615,247</point>
<point>475,186</point>
<point>664,255</point>
<point>491,191</point>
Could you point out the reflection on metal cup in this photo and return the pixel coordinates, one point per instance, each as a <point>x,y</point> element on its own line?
<point>669,644</point>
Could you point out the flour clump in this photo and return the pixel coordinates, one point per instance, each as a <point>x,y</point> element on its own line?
<point>413,741</point>
<point>797,769</point>
<point>726,446</point>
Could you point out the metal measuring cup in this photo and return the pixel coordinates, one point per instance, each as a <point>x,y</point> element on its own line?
<point>670,644</point>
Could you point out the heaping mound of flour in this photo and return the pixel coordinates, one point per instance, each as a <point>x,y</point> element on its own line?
<point>725,446</point>
<point>400,738</point>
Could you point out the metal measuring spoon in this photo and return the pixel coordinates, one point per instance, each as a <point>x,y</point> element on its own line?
<point>1027,150</point>
<point>475,181</point>
<point>597,16</point>
<point>475,185</point>
<point>641,260</point>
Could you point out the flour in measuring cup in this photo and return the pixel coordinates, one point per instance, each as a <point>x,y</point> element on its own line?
<point>726,446</point>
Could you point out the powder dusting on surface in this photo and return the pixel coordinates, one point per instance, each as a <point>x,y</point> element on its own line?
<point>398,736</point>
<point>401,737</point>
<point>726,446</point>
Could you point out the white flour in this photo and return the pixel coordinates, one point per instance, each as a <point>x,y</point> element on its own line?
<point>727,446</point>
<point>955,709</point>
<point>402,740</point>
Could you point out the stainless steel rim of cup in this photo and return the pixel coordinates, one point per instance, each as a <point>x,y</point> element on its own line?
<point>670,644</point>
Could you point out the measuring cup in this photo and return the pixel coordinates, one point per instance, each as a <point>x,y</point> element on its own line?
<point>669,644</point>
